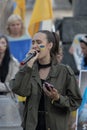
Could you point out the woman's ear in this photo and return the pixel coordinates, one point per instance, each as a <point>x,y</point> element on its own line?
<point>50,45</point>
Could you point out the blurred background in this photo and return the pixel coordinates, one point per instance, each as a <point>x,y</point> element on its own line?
<point>69,19</point>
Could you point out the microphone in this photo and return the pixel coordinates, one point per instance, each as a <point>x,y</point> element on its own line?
<point>30,55</point>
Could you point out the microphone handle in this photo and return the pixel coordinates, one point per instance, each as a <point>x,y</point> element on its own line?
<point>31,55</point>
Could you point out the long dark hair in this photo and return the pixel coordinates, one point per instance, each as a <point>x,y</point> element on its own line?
<point>4,67</point>
<point>54,38</point>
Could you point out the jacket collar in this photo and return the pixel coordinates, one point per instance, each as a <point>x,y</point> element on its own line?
<point>35,73</point>
<point>53,71</point>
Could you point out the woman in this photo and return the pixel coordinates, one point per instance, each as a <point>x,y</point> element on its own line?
<point>8,64</point>
<point>19,40</point>
<point>50,88</point>
<point>15,28</point>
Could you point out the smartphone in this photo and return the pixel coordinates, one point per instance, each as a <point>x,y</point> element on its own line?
<point>48,85</point>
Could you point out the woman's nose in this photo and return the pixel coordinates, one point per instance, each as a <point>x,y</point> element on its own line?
<point>35,45</point>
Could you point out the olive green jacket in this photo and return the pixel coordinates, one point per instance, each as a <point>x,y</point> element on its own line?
<point>27,83</point>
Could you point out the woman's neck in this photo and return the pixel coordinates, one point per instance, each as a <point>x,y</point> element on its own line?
<point>45,61</point>
<point>15,35</point>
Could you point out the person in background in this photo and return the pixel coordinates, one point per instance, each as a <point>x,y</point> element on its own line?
<point>19,42</point>
<point>83,45</point>
<point>50,87</point>
<point>15,28</point>
<point>8,64</point>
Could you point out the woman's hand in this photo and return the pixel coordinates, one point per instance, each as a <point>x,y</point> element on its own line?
<point>51,93</point>
<point>33,59</point>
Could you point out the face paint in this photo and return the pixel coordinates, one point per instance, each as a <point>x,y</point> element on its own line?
<point>42,47</point>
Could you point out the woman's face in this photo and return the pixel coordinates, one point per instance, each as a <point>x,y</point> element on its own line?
<point>40,43</point>
<point>84,49</point>
<point>3,45</point>
<point>15,28</point>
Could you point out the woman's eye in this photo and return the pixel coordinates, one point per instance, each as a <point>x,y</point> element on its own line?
<point>3,43</point>
<point>39,42</point>
<point>32,43</point>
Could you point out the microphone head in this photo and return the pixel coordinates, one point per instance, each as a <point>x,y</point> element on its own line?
<point>22,63</point>
<point>30,55</point>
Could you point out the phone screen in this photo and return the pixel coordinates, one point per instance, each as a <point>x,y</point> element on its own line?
<point>48,85</point>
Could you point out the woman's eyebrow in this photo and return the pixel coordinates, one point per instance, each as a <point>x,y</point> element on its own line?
<point>36,40</point>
